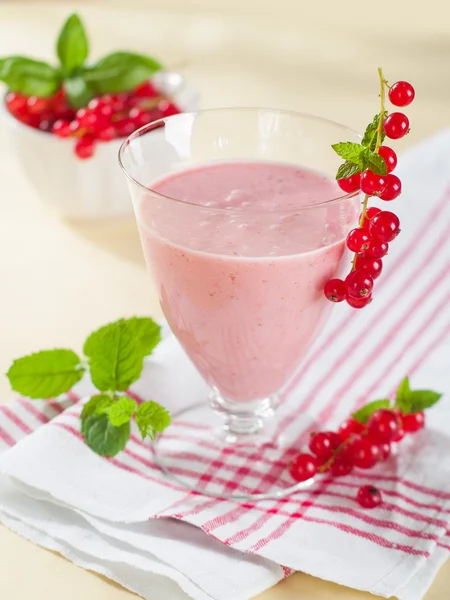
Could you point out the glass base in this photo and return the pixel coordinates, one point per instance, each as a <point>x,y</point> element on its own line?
<point>226,453</point>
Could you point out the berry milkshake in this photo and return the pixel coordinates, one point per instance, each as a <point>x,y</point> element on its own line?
<point>240,266</point>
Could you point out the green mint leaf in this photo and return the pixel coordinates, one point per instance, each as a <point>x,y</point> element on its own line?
<point>347,170</point>
<point>152,418</point>
<point>373,161</point>
<point>146,332</point>
<point>362,415</point>
<point>78,91</point>
<point>120,71</point>
<point>423,399</point>
<point>115,359</point>
<point>119,411</point>
<point>403,397</point>
<point>29,77</point>
<point>102,437</point>
<point>370,135</point>
<point>72,46</point>
<point>96,405</point>
<point>349,151</point>
<point>45,374</point>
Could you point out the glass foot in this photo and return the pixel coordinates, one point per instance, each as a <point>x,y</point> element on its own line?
<point>207,453</point>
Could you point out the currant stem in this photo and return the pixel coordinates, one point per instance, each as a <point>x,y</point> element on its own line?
<point>383,82</point>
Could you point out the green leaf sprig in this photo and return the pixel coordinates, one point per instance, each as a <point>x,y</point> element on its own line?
<point>116,72</point>
<point>114,358</point>
<point>407,401</point>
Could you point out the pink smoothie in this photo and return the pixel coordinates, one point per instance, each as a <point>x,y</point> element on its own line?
<point>240,267</point>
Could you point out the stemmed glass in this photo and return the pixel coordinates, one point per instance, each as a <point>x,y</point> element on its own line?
<point>240,282</point>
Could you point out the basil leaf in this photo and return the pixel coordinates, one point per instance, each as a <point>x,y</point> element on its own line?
<point>349,151</point>
<point>120,411</point>
<point>77,91</point>
<point>29,77</point>
<point>373,161</point>
<point>120,71</point>
<point>403,397</point>
<point>347,170</point>
<point>115,360</point>
<point>151,418</point>
<point>96,405</point>
<point>423,399</point>
<point>362,415</point>
<point>102,437</point>
<point>370,135</point>
<point>146,332</point>
<point>45,374</point>
<point>73,45</point>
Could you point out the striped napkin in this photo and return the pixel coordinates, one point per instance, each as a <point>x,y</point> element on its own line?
<point>394,550</point>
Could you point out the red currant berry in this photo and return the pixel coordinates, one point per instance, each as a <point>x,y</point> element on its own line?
<point>370,213</point>
<point>385,450</point>
<point>125,127</point>
<point>107,134</point>
<point>45,125</point>
<point>29,119</point>
<point>377,249</point>
<point>389,157</point>
<point>37,105</point>
<point>341,466</point>
<point>399,435</point>
<point>87,118</point>
<point>324,443</point>
<point>59,104</point>
<point>350,427</point>
<point>359,284</point>
<point>303,467</point>
<point>323,464</point>
<point>84,148</point>
<point>359,302</point>
<point>371,266</point>
<point>385,226</point>
<point>62,128</point>
<point>401,93</point>
<point>396,125</point>
<point>393,188</point>
<point>371,183</point>
<point>358,240</point>
<point>15,102</point>
<point>413,422</point>
<point>335,290</point>
<point>368,496</point>
<point>118,101</point>
<point>383,425</point>
<point>350,184</point>
<point>74,126</point>
<point>168,109</point>
<point>140,117</point>
<point>363,453</point>
<point>146,90</point>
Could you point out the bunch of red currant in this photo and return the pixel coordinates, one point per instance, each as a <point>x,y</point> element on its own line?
<point>377,228</point>
<point>356,445</point>
<point>105,118</point>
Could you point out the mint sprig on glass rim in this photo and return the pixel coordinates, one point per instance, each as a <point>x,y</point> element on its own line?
<point>114,359</point>
<point>117,72</point>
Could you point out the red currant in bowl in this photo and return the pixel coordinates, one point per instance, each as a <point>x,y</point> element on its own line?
<point>69,164</point>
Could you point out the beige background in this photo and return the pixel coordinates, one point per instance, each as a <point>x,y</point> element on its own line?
<point>61,280</point>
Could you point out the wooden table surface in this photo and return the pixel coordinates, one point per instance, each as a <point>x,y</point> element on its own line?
<point>61,280</point>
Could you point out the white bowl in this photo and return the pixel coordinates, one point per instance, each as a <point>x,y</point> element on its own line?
<point>91,188</point>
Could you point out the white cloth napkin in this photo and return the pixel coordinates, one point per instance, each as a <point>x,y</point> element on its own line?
<point>111,515</point>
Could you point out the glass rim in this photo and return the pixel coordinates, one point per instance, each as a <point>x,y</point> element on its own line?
<point>160,122</point>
